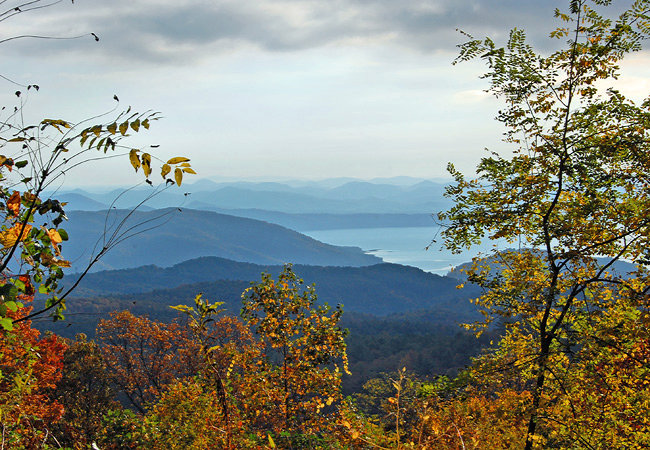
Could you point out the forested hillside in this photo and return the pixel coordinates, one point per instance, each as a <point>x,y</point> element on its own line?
<point>417,327</point>
<point>378,289</point>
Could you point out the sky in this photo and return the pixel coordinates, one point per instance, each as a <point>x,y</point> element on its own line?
<point>266,89</point>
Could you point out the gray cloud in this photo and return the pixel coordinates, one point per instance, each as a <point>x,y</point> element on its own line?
<point>183,30</point>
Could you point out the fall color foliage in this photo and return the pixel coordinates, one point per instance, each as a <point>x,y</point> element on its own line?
<point>30,367</point>
<point>569,370</point>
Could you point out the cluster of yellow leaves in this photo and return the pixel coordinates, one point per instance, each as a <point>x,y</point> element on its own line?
<point>142,159</point>
<point>18,232</point>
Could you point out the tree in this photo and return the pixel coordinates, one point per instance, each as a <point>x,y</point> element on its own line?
<point>145,356</point>
<point>231,357</point>
<point>575,190</point>
<point>85,391</point>
<point>441,413</point>
<point>273,378</point>
<point>305,351</point>
<point>30,367</point>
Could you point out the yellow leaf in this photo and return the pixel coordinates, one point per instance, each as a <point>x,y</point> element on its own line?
<point>112,128</point>
<point>135,159</point>
<point>50,260</point>
<point>178,175</point>
<point>165,170</point>
<point>13,204</point>
<point>135,125</point>
<point>271,443</point>
<point>178,159</point>
<point>54,235</point>
<point>146,164</point>
<point>354,434</point>
<point>124,126</point>
<point>62,263</point>
<point>188,170</point>
<point>9,237</point>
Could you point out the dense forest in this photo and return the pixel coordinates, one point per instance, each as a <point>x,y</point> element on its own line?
<point>555,352</point>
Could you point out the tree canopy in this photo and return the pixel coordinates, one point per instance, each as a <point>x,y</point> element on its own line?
<point>576,193</point>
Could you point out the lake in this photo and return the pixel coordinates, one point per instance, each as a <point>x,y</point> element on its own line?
<point>405,246</point>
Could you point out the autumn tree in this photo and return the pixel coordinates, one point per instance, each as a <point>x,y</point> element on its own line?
<point>30,367</point>
<point>85,391</point>
<point>575,191</point>
<point>305,352</point>
<point>403,412</point>
<point>215,407</point>
<point>144,356</point>
<point>272,379</point>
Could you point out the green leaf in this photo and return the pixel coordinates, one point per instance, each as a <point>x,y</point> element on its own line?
<point>8,292</point>
<point>19,285</point>
<point>6,323</point>
<point>63,234</point>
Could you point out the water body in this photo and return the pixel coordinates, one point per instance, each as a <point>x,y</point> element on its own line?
<point>406,246</point>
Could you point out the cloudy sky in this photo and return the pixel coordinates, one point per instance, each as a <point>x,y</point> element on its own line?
<point>279,88</point>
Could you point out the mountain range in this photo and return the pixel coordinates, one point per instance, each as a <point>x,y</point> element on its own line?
<point>377,290</point>
<point>169,236</point>
<point>350,197</point>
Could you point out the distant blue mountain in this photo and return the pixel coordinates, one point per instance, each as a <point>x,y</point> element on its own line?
<point>321,221</point>
<point>77,201</point>
<point>169,236</point>
<point>341,196</point>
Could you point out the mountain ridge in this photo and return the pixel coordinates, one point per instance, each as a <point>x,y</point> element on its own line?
<point>169,236</point>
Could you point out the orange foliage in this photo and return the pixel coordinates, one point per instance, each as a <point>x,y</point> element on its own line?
<point>145,356</point>
<point>30,368</point>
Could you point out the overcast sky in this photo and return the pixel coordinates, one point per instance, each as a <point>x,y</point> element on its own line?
<point>280,89</point>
